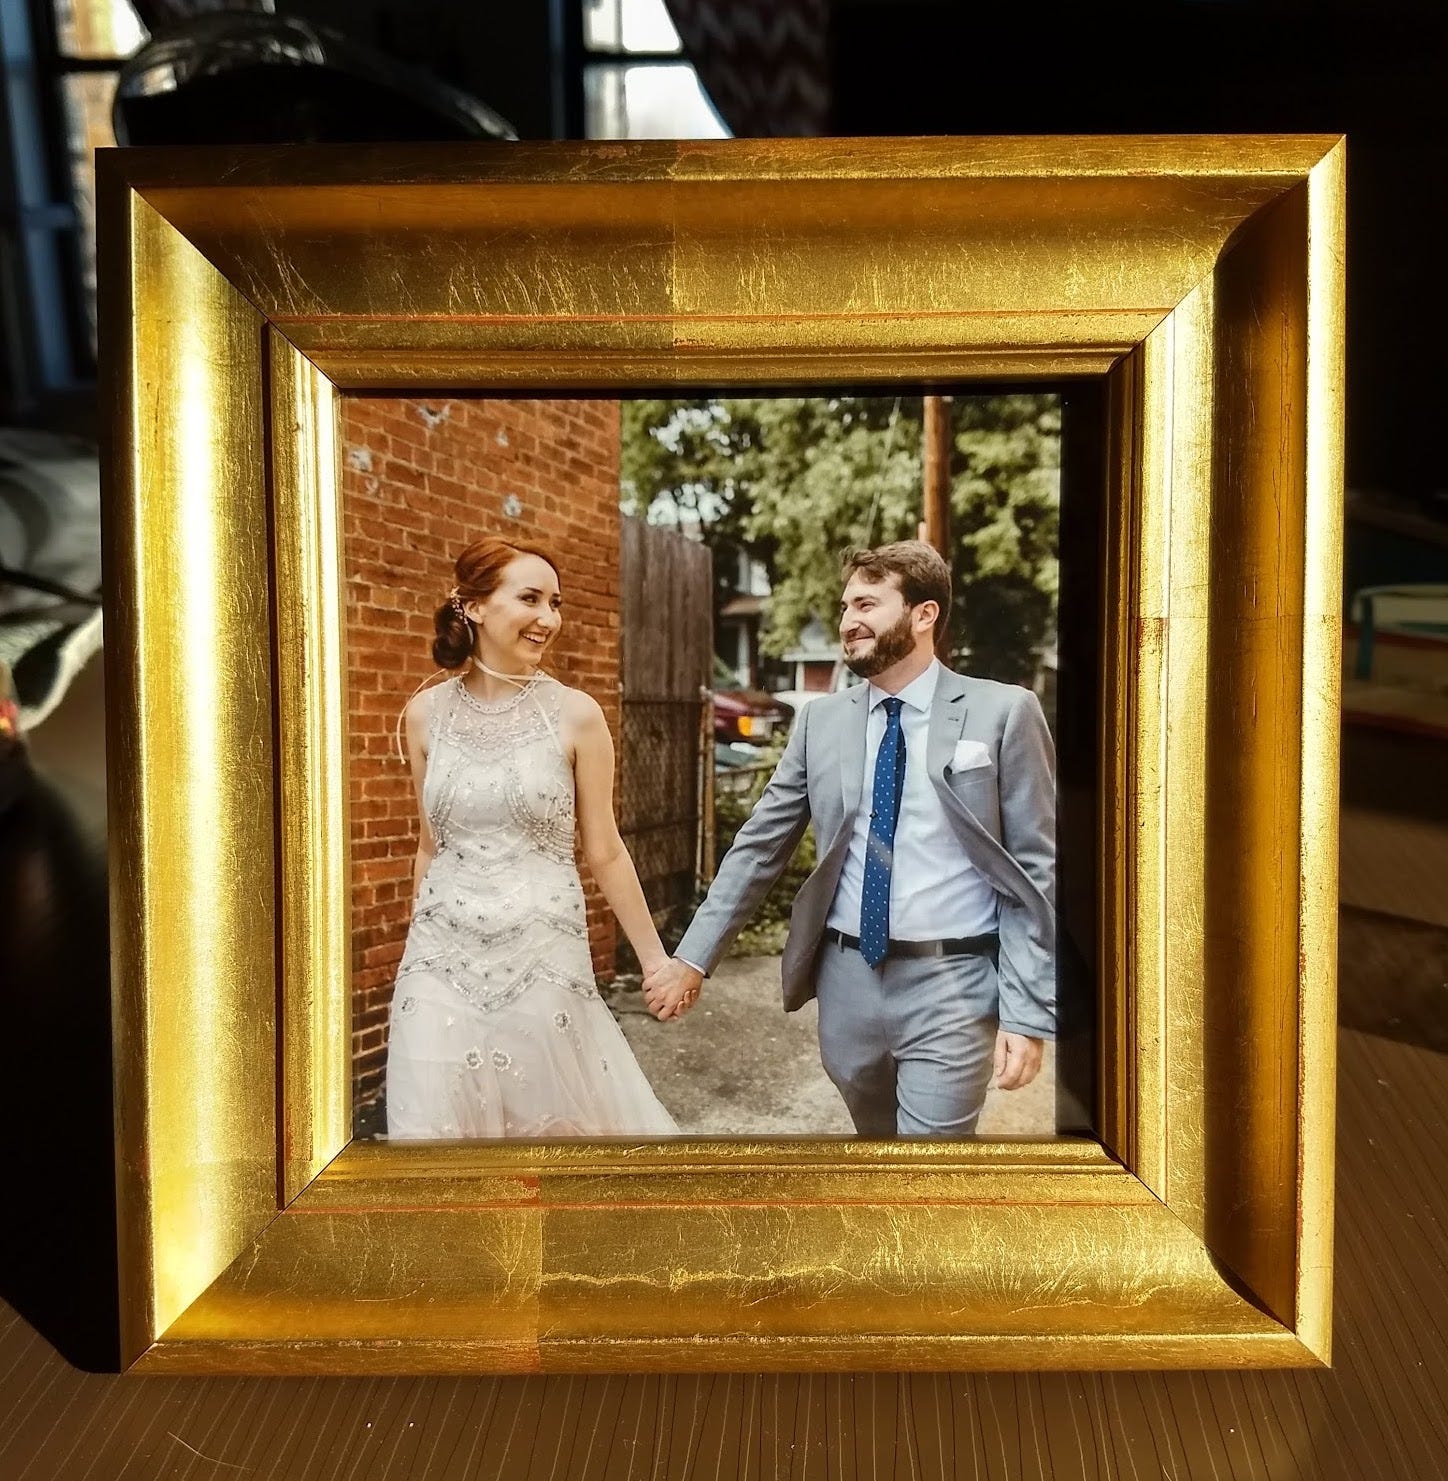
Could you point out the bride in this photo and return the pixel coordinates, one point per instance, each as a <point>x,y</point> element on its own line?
<point>497,1029</point>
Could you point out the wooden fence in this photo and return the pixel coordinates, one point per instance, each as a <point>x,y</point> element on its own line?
<point>666,745</point>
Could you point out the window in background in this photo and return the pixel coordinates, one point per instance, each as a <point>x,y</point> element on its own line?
<point>100,29</point>
<point>92,38</point>
<point>636,83</point>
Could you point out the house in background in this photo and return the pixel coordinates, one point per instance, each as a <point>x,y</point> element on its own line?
<point>815,659</point>
<point>743,605</point>
<point>811,666</point>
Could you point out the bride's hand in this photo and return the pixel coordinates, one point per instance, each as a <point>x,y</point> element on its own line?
<point>653,966</point>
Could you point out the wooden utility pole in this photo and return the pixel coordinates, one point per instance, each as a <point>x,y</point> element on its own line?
<point>936,440</point>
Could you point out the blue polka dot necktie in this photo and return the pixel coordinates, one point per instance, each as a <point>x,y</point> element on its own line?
<point>880,850</point>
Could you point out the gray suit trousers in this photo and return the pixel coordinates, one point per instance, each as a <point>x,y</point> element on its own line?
<point>909,1046</point>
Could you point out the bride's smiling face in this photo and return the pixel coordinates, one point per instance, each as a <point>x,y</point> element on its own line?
<point>519,621</point>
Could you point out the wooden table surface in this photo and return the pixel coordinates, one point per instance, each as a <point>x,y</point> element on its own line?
<point>1381,1412</point>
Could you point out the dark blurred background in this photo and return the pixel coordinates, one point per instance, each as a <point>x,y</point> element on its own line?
<point>611,68</point>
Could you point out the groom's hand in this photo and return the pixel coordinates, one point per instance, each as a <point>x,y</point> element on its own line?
<point>672,989</point>
<point>1017,1060</point>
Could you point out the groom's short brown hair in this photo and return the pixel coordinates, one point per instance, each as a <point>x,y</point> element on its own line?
<point>919,568</point>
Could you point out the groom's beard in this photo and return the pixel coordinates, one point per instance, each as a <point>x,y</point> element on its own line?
<point>891,646</point>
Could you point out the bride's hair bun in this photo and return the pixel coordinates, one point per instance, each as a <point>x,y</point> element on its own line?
<point>454,636</point>
<point>478,570</point>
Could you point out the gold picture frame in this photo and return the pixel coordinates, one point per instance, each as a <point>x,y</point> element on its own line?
<point>241,291</point>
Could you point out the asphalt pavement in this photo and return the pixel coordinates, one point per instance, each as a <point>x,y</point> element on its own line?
<point>739,1065</point>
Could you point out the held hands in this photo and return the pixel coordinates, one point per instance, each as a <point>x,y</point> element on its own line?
<point>1017,1060</point>
<point>671,988</point>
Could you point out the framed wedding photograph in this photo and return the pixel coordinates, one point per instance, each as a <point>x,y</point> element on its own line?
<point>723,755</point>
<point>695,543</point>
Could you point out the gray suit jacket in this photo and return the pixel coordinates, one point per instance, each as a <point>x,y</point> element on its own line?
<point>1004,815</point>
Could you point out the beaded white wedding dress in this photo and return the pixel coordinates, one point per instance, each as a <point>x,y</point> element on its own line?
<point>497,1028</point>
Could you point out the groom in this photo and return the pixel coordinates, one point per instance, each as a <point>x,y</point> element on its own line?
<point>927,929</point>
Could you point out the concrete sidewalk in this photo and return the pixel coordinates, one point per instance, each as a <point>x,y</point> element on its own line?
<point>739,1065</point>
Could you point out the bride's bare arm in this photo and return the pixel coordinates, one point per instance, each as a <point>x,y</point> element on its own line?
<point>603,849</point>
<point>416,716</point>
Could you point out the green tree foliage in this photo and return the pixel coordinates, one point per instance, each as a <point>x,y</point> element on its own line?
<point>694,465</point>
<point>795,481</point>
<point>1005,504</point>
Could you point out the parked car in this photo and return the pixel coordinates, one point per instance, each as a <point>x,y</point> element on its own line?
<point>797,699</point>
<point>748,715</point>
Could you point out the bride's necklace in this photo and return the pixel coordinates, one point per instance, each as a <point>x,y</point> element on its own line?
<point>526,684</point>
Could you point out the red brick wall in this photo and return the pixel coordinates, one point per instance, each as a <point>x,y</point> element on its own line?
<point>421,480</point>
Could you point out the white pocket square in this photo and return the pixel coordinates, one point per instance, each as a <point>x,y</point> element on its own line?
<point>969,755</point>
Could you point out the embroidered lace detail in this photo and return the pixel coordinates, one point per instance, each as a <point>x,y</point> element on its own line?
<point>501,906</point>
<point>491,988</point>
<point>502,706</point>
<point>501,765</point>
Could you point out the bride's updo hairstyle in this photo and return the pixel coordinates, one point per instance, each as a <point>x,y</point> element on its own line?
<point>479,570</point>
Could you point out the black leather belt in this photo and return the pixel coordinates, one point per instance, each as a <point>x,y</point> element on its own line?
<point>988,945</point>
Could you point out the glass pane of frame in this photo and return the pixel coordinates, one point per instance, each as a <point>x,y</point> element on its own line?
<point>766,636</point>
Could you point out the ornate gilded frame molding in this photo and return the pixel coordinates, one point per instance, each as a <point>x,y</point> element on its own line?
<point>1202,279</point>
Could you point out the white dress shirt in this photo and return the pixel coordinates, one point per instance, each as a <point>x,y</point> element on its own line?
<point>936,893</point>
